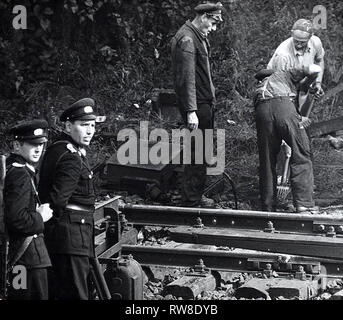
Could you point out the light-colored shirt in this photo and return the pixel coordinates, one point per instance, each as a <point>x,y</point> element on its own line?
<point>282,83</point>
<point>287,57</point>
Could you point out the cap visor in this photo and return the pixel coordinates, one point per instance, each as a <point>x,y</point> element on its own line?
<point>36,140</point>
<point>301,35</point>
<point>85,118</point>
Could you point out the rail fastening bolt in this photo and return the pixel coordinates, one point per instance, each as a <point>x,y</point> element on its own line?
<point>331,231</point>
<point>198,223</point>
<point>321,228</point>
<point>270,227</point>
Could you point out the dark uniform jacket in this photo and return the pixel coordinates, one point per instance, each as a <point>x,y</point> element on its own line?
<point>191,69</point>
<point>21,218</point>
<point>66,178</point>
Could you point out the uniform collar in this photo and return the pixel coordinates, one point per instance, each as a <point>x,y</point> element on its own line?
<point>80,150</point>
<point>195,29</point>
<point>17,160</point>
<point>30,167</point>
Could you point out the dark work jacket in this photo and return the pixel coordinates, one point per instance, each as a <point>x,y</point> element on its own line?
<point>66,178</point>
<point>190,52</point>
<point>21,218</point>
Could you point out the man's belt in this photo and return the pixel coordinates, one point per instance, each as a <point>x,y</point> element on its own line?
<point>80,207</point>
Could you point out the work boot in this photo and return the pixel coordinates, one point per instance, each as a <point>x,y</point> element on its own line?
<point>312,210</point>
<point>206,202</point>
<point>285,207</point>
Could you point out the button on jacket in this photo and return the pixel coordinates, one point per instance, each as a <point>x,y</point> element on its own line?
<point>21,218</point>
<point>191,69</point>
<point>66,178</point>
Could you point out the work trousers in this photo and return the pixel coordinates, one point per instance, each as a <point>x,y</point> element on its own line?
<point>35,288</point>
<point>69,277</point>
<point>277,119</point>
<point>194,178</point>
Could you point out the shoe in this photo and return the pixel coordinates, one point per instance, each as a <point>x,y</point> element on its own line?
<point>312,210</point>
<point>203,203</point>
<point>206,202</point>
<point>285,207</point>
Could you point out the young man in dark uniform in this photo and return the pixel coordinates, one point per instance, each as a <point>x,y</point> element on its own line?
<point>24,213</point>
<point>190,51</point>
<point>66,183</point>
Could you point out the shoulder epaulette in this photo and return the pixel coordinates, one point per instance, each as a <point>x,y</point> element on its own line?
<point>71,148</point>
<point>18,165</point>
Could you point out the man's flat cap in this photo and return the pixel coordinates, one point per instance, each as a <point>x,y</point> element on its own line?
<point>214,10</point>
<point>80,110</point>
<point>302,30</point>
<point>35,131</point>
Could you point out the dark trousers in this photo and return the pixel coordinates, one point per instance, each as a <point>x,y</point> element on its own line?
<point>69,277</point>
<point>37,286</point>
<point>194,178</point>
<point>278,119</point>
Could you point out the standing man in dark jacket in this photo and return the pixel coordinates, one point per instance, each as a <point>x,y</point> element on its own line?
<point>194,89</point>
<point>66,183</point>
<point>24,213</point>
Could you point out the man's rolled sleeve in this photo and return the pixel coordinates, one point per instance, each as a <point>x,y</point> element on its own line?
<point>319,57</point>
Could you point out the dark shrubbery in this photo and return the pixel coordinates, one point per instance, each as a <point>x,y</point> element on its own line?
<point>117,51</point>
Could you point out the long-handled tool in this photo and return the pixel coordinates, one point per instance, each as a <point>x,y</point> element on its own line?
<point>283,188</point>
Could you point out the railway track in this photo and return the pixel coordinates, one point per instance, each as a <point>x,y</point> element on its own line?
<point>284,241</point>
<point>238,260</point>
<point>233,219</point>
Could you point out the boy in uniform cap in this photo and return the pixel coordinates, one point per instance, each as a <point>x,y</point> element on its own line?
<point>24,213</point>
<point>66,183</point>
<point>194,89</point>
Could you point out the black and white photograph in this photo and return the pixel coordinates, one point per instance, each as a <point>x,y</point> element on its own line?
<point>171,158</point>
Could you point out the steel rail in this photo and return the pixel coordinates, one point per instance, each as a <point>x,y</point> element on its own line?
<point>102,206</point>
<point>227,218</point>
<point>305,245</point>
<point>226,260</point>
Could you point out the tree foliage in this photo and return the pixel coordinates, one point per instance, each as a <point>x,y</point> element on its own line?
<point>117,51</point>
